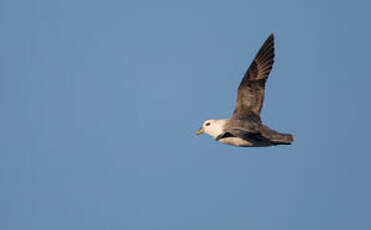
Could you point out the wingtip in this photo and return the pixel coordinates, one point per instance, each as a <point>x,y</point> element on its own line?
<point>271,36</point>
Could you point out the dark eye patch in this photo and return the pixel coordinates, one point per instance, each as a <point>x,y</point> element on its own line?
<point>207,124</point>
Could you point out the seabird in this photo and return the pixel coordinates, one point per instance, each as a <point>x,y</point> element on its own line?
<point>245,127</point>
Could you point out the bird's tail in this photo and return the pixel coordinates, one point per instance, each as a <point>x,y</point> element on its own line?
<point>278,138</point>
<point>283,139</point>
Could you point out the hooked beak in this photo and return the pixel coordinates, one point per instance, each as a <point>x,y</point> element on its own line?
<point>201,130</point>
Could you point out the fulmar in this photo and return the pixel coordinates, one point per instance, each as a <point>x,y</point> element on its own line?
<point>245,127</point>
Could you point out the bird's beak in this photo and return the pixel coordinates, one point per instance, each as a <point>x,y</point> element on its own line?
<point>201,130</point>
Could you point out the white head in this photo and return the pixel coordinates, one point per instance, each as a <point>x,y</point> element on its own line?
<point>212,127</point>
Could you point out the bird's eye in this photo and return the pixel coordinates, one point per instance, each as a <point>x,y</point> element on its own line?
<point>207,124</point>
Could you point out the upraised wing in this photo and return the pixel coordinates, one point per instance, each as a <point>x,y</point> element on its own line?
<point>250,95</point>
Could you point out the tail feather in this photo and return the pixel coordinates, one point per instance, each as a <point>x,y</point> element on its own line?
<point>283,138</point>
<point>276,137</point>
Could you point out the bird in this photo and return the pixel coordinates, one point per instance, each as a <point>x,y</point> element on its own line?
<point>245,128</point>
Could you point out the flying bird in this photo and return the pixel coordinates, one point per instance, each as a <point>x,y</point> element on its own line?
<point>245,127</point>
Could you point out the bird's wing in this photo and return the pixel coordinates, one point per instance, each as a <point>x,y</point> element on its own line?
<point>244,134</point>
<point>250,95</point>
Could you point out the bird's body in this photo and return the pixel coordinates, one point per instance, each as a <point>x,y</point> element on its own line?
<point>244,133</point>
<point>245,127</point>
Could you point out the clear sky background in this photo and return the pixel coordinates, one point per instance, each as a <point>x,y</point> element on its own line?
<point>100,101</point>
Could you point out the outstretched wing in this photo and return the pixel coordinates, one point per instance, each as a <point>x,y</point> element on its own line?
<point>250,95</point>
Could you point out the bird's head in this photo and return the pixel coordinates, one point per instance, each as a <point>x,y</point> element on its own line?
<point>212,127</point>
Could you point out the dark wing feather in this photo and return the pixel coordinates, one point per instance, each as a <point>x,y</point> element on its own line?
<point>250,94</point>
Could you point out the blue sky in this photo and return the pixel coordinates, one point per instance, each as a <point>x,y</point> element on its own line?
<point>100,101</point>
